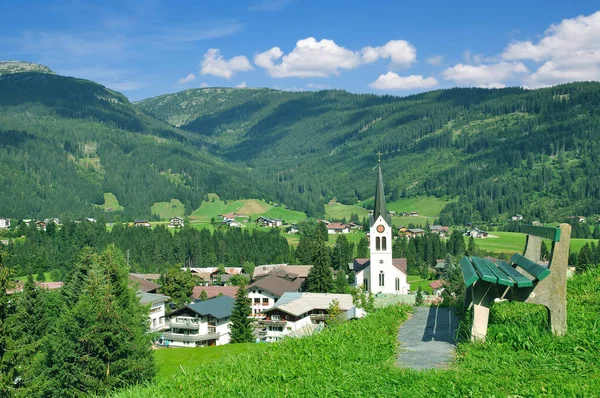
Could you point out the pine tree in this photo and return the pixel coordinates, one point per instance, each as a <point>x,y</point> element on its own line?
<point>419,297</point>
<point>5,371</point>
<point>583,259</point>
<point>341,282</point>
<point>471,249</point>
<point>241,325</point>
<point>362,250</point>
<point>319,279</point>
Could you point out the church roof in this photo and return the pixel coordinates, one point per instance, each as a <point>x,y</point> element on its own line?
<point>362,263</point>
<point>379,203</point>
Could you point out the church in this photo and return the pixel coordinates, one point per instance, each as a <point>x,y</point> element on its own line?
<point>381,273</point>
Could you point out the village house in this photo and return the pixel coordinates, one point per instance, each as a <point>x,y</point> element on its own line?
<point>202,323</point>
<point>214,291</point>
<point>292,229</point>
<point>54,221</point>
<point>290,271</point>
<point>157,310</point>
<point>265,292</point>
<point>211,274</point>
<point>142,285</point>
<point>414,232</point>
<point>141,223</point>
<point>437,287</point>
<point>337,228</point>
<point>4,223</point>
<point>176,222</point>
<point>442,231</point>
<point>440,265</point>
<point>18,286</point>
<point>40,225</point>
<point>231,223</point>
<point>477,233</point>
<point>410,214</point>
<point>269,222</point>
<point>300,314</point>
<point>517,217</point>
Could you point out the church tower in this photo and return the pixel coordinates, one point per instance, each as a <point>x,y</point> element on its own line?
<point>381,277</point>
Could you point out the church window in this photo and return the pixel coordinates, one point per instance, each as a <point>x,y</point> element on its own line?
<point>397,284</point>
<point>384,243</point>
<point>366,284</point>
<point>377,243</point>
<point>381,278</point>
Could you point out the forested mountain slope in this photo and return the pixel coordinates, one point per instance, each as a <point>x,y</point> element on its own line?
<point>501,151</point>
<point>65,141</point>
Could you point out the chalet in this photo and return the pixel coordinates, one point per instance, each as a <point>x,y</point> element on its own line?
<point>402,229</point>
<point>337,228</point>
<point>410,214</point>
<point>352,225</point>
<point>141,223</point>
<point>438,229</point>
<point>269,222</point>
<point>231,223</point>
<point>266,291</point>
<point>413,232</point>
<point>18,286</point>
<point>299,314</point>
<point>477,233</point>
<point>54,221</point>
<point>4,223</point>
<point>517,217</point>
<point>214,291</point>
<point>290,272</point>
<point>228,216</point>
<point>142,285</point>
<point>40,225</point>
<point>176,222</point>
<point>292,229</point>
<point>157,310</point>
<point>392,213</point>
<point>202,323</point>
<point>148,277</point>
<point>437,287</point>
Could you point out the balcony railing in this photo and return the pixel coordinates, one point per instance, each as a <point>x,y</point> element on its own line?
<point>183,325</point>
<point>318,317</point>
<point>191,337</point>
<point>279,322</point>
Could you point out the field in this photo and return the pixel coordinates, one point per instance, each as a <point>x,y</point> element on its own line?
<point>167,210</point>
<point>520,358</point>
<point>513,242</point>
<point>247,207</point>
<point>111,202</point>
<point>416,281</point>
<point>339,211</point>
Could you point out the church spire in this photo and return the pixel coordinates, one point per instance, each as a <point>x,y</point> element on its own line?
<point>379,205</point>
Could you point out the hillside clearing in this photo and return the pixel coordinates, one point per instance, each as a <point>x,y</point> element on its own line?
<point>111,203</point>
<point>167,210</point>
<point>513,242</point>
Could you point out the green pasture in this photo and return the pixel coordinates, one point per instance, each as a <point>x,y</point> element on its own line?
<point>167,210</point>
<point>339,211</point>
<point>405,221</point>
<point>253,208</point>
<point>47,277</point>
<point>416,281</point>
<point>514,242</point>
<point>289,216</point>
<point>111,202</point>
<point>429,206</point>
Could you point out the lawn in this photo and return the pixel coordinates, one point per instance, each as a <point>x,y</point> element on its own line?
<point>339,211</point>
<point>429,206</point>
<point>354,237</point>
<point>417,221</point>
<point>514,242</point>
<point>520,358</point>
<point>416,281</point>
<point>167,210</point>
<point>111,202</point>
<point>170,360</point>
<point>252,208</point>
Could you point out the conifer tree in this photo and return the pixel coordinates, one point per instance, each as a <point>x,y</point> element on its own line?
<point>319,279</point>
<point>471,249</point>
<point>419,297</point>
<point>241,325</point>
<point>5,371</point>
<point>362,250</point>
<point>341,282</point>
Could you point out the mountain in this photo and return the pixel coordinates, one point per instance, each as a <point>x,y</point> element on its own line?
<point>64,142</point>
<point>8,67</point>
<point>499,151</point>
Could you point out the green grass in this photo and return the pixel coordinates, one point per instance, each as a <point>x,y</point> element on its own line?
<point>353,237</point>
<point>521,358</point>
<point>170,360</point>
<point>289,216</point>
<point>252,208</point>
<point>428,206</point>
<point>47,277</point>
<point>405,221</point>
<point>167,210</point>
<point>111,202</point>
<point>416,281</point>
<point>339,211</point>
<point>514,242</point>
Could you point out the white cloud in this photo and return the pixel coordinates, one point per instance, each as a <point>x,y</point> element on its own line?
<point>480,75</point>
<point>190,77</point>
<point>570,51</point>
<point>214,64</point>
<point>391,81</point>
<point>204,85</point>
<point>312,58</point>
<point>189,35</point>
<point>434,60</point>
<point>241,85</point>
<point>493,85</point>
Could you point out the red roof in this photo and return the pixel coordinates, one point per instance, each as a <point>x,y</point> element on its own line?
<point>436,284</point>
<point>213,291</point>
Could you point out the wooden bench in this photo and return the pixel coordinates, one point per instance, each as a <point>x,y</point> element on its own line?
<point>521,279</point>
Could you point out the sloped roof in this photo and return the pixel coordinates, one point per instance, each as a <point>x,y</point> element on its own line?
<point>150,298</point>
<point>142,284</point>
<point>148,277</point>
<point>300,271</point>
<point>436,284</point>
<point>277,285</point>
<point>362,263</point>
<point>214,291</point>
<point>296,303</point>
<point>218,307</point>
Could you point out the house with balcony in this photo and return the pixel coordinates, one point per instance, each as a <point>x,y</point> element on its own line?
<point>202,323</point>
<point>156,314</point>
<point>265,292</point>
<point>176,222</point>
<point>4,223</point>
<point>300,314</point>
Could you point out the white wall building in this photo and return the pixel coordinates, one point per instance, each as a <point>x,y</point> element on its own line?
<point>4,223</point>
<point>381,273</point>
<point>203,323</point>
<point>267,290</point>
<point>157,310</point>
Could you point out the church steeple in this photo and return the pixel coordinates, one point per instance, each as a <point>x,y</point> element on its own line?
<point>379,205</point>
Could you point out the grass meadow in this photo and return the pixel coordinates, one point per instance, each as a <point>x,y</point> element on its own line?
<point>111,202</point>
<point>520,358</point>
<point>167,210</point>
<point>514,242</point>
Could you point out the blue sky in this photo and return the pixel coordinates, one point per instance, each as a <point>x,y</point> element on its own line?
<point>151,47</point>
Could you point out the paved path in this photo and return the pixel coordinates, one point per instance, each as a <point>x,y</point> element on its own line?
<point>427,339</point>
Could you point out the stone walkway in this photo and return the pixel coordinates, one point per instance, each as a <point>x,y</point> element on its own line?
<point>427,339</point>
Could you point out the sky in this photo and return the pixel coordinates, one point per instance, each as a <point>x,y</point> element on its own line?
<point>150,47</point>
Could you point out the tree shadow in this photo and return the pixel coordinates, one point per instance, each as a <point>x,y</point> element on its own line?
<point>442,325</point>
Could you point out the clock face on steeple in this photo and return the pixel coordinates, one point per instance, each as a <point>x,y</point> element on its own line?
<point>380,228</point>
